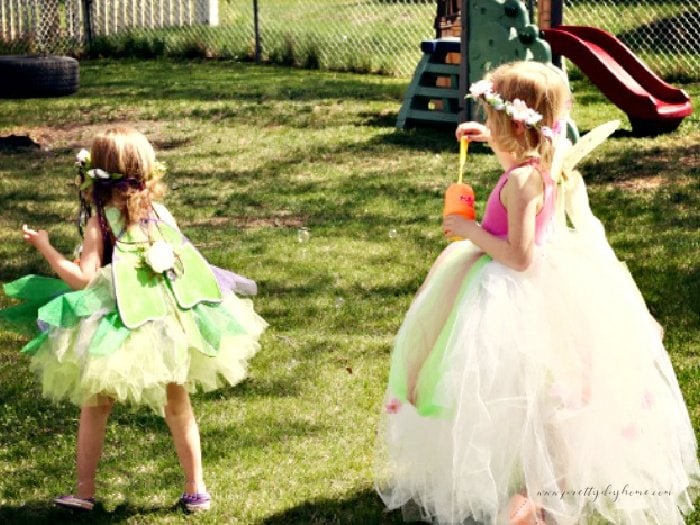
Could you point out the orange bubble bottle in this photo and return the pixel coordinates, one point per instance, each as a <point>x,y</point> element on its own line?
<point>459,197</point>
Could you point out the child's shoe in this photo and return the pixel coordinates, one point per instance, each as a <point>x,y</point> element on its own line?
<point>74,502</point>
<point>196,502</point>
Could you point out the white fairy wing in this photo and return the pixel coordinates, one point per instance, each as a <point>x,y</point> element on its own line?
<point>588,143</point>
<point>573,198</point>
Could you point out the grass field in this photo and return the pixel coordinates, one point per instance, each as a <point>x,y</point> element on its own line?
<point>254,153</point>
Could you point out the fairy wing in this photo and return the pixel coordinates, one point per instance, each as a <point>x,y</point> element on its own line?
<point>586,144</point>
<point>142,294</point>
<point>196,282</point>
<point>573,197</point>
<point>139,292</point>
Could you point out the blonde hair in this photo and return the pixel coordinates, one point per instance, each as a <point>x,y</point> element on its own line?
<point>542,88</point>
<point>126,151</point>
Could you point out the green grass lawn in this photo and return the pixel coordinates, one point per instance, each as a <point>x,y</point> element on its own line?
<point>253,154</point>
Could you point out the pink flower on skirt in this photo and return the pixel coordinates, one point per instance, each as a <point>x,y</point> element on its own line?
<point>630,432</point>
<point>647,400</point>
<point>393,406</point>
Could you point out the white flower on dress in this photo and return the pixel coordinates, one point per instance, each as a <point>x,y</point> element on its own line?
<point>160,256</point>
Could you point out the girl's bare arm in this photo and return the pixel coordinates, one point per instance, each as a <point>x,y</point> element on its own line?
<point>77,276</point>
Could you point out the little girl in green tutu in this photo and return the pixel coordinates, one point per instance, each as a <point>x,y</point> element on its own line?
<point>141,317</point>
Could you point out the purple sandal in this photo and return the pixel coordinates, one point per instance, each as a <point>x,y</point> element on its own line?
<point>74,502</point>
<point>196,502</point>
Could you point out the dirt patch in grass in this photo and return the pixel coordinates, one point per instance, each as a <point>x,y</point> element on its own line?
<point>80,135</point>
<point>649,169</point>
<point>639,184</point>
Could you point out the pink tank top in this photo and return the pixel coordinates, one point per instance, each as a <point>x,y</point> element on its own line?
<point>495,219</point>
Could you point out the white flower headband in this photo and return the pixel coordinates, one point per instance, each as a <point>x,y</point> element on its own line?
<point>517,110</point>
<point>89,175</point>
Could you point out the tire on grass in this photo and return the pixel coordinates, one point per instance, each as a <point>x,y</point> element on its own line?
<point>30,76</point>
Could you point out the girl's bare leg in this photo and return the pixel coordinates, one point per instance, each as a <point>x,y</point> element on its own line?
<point>91,434</point>
<point>183,427</point>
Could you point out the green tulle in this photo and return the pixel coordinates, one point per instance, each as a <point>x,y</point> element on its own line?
<point>34,291</point>
<point>434,367</point>
<point>86,350</point>
<point>207,321</point>
<point>417,354</point>
<point>213,322</point>
<point>67,310</point>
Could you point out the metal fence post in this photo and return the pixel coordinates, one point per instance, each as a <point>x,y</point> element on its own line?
<point>258,47</point>
<point>87,23</point>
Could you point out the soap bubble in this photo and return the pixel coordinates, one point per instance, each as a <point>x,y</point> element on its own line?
<point>303,235</point>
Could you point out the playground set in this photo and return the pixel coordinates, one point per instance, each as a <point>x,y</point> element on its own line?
<point>493,32</point>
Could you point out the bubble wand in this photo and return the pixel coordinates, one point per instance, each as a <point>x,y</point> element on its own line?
<point>459,197</point>
<point>463,151</point>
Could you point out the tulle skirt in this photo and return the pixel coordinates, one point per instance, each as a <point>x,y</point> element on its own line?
<point>551,383</point>
<point>84,351</point>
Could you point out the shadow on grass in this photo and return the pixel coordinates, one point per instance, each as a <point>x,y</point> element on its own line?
<point>45,513</point>
<point>254,388</point>
<point>363,507</point>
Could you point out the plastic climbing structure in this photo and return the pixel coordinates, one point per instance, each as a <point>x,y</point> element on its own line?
<point>487,33</point>
<point>493,32</point>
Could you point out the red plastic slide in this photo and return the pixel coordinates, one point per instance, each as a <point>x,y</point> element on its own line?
<point>652,105</point>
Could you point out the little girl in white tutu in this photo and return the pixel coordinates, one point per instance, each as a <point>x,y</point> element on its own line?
<point>529,383</point>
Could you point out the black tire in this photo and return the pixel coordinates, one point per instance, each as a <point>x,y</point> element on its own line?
<point>28,76</point>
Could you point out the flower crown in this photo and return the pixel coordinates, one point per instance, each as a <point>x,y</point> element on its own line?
<point>517,110</point>
<point>89,175</point>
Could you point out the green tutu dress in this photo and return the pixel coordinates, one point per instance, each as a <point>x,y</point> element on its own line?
<point>135,328</point>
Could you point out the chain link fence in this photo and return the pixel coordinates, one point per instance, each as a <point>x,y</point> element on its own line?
<point>370,35</point>
<point>664,34</point>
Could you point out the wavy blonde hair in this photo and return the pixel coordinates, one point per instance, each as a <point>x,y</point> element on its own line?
<point>544,89</point>
<point>126,151</point>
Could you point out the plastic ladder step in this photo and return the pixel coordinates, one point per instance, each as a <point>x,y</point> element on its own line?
<point>441,45</point>
<point>442,69</point>
<point>435,92</point>
<point>432,116</point>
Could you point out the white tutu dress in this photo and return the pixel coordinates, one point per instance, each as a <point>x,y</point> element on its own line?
<point>552,383</point>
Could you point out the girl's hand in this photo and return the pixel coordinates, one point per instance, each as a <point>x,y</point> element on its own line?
<point>457,226</point>
<point>474,131</point>
<point>37,238</point>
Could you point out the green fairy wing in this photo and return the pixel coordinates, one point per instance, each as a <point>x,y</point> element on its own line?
<point>141,293</point>
<point>194,281</point>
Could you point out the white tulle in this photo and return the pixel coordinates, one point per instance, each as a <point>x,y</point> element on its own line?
<point>559,387</point>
